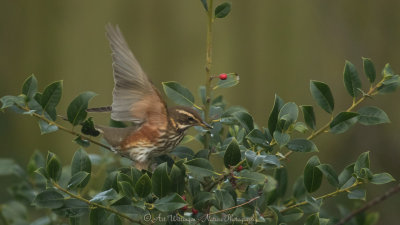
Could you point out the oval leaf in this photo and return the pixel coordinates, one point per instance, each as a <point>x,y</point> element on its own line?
<point>330,174</point>
<point>232,154</point>
<point>343,121</point>
<point>302,145</point>
<point>369,69</point>
<point>287,115</point>
<point>53,166</point>
<point>161,183</point>
<point>143,186</point>
<point>81,162</point>
<point>77,108</point>
<point>231,80</point>
<point>312,175</point>
<point>29,87</point>
<point>49,199</point>
<point>322,95</point>
<point>371,115</point>
<point>200,168</point>
<point>51,97</point>
<point>309,116</point>
<point>222,10</point>
<point>351,79</point>
<point>381,178</point>
<point>273,116</point>
<point>177,93</point>
<point>169,203</point>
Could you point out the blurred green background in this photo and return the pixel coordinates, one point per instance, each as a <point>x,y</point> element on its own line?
<point>275,46</point>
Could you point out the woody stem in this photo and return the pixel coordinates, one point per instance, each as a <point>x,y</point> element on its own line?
<point>208,69</point>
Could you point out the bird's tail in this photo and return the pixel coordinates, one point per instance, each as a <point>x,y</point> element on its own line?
<point>100,109</point>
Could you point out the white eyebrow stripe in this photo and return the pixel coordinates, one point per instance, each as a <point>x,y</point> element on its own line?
<point>188,114</point>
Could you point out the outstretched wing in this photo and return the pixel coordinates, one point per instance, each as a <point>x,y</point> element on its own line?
<point>135,98</point>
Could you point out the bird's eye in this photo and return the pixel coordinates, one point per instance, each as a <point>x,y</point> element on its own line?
<point>191,119</point>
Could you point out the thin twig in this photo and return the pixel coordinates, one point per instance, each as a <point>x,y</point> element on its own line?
<point>96,205</point>
<point>50,122</point>
<point>370,204</point>
<point>323,196</point>
<point>234,207</point>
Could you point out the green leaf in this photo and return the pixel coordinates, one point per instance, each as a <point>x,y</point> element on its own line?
<point>281,176</point>
<point>183,152</point>
<point>273,117</point>
<point>362,162</point>
<point>287,115</point>
<point>204,3</point>
<point>169,203</point>
<point>125,188</point>
<point>161,183</point>
<point>51,97</point>
<point>224,199</point>
<point>232,154</point>
<point>302,145</point>
<point>312,175</point>
<point>200,168</point>
<point>230,81</point>
<point>244,119</point>
<point>343,121</point>
<point>382,178</point>
<point>281,138</point>
<point>9,167</point>
<point>369,69</point>
<point>143,186</point>
<point>249,177</point>
<point>351,79</point>
<point>300,127</point>
<point>389,85</point>
<point>8,101</point>
<point>76,111</point>
<point>322,95</point>
<point>346,175</point>
<point>309,116</point>
<point>267,161</point>
<point>49,199</point>
<point>79,180</point>
<point>299,190</point>
<point>81,162</point>
<point>110,194</point>
<point>359,194</point>
<point>292,215</point>
<point>371,115</point>
<point>29,87</point>
<point>330,174</point>
<point>99,216</point>
<point>312,219</point>
<point>53,166</point>
<point>387,72</point>
<point>35,162</point>
<point>177,180</point>
<point>177,93</point>
<point>222,10</point>
<point>46,128</point>
<point>257,137</point>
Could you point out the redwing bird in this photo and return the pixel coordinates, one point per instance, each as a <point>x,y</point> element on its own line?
<point>155,128</point>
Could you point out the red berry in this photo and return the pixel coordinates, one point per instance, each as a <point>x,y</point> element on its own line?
<point>184,208</point>
<point>223,76</point>
<point>184,197</point>
<point>239,168</point>
<point>195,211</point>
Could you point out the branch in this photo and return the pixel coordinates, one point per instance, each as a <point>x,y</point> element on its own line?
<point>357,183</point>
<point>41,117</point>
<point>371,204</point>
<point>96,205</point>
<point>234,207</point>
<point>371,92</point>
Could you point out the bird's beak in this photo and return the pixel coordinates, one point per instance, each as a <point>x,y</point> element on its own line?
<point>205,125</point>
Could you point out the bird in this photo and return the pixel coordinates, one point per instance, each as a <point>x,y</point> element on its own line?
<point>154,129</point>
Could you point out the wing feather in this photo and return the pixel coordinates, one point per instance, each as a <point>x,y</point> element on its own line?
<point>134,97</point>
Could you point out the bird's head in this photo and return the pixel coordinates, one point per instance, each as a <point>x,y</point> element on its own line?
<point>185,117</point>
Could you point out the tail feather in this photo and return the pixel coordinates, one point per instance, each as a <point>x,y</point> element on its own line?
<point>100,109</point>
